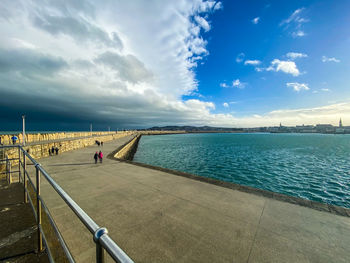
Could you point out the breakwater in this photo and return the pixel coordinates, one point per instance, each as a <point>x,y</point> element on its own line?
<point>127,151</point>
<point>63,141</point>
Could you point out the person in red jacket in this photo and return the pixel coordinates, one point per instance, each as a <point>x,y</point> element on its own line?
<point>100,156</point>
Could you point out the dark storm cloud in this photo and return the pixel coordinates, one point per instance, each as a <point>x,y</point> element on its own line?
<point>29,61</point>
<point>129,67</point>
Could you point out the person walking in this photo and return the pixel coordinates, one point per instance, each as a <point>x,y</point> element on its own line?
<point>14,139</point>
<point>100,156</point>
<point>56,149</point>
<point>96,157</point>
<point>52,150</point>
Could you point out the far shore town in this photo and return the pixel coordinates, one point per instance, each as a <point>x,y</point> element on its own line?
<point>318,128</point>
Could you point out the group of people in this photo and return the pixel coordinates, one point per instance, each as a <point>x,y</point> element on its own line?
<point>99,143</point>
<point>98,155</point>
<point>53,150</point>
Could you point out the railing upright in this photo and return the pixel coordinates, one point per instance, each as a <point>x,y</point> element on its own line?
<point>24,179</point>
<point>8,170</point>
<point>100,252</point>
<point>38,208</point>
<point>19,164</point>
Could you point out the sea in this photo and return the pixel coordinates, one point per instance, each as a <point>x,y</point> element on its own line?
<point>310,166</point>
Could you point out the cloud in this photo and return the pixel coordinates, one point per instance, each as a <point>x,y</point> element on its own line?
<point>298,86</point>
<point>203,23</point>
<point>325,90</point>
<point>218,6</point>
<point>76,27</point>
<point>332,59</point>
<point>288,67</point>
<point>294,55</point>
<point>294,17</point>
<point>240,57</point>
<point>225,104</point>
<point>295,22</point>
<point>252,62</point>
<point>128,67</point>
<point>235,84</point>
<point>256,20</point>
<point>30,62</point>
<point>298,33</point>
<point>86,61</point>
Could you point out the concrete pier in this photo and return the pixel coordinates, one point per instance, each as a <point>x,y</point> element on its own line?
<point>155,216</point>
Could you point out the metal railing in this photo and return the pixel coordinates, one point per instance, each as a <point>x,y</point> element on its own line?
<point>100,234</point>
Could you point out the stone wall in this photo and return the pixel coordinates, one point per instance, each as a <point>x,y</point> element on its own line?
<point>129,150</point>
<point>39,137</point>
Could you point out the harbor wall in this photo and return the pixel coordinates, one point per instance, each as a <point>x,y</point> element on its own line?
<point>41,149</point>
<point>127,151</point>
<point>39,137</point>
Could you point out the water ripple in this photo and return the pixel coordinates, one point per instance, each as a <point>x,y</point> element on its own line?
<point>311,166</point>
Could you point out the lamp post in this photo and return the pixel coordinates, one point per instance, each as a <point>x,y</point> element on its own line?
<point>90,129</point>
<point>24,129</point>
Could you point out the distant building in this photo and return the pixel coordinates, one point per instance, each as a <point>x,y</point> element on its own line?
<point>340,123</point>
<point>325,128</point>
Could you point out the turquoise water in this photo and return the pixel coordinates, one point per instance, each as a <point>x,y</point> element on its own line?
<point>311,166</point>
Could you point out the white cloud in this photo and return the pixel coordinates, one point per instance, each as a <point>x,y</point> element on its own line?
<point>325,90</point>
<point>298,33</point>
<point>252,62</point>
<point>235,84</point>
<point>225,104</point>
<point>295,22</point>
<point>298,86</point>
<point>326,59</point>
<point>256,20</point>
<point>294,17</point>
<point>240,57</point>
<point>288,67</point>
<point>203,23</point>
<point>218,6</point>
<point>295,55</point>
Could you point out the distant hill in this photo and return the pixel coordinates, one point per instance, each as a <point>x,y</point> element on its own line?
<point>194,129</point>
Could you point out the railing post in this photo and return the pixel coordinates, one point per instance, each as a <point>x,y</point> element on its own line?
<point>19,164</point>
<point>25,179</point>
<point>7,167</point>
<point>38,208</point>
<point>9,172</point>
<point>100,252</point>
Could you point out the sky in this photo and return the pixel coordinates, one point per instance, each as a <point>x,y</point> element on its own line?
<point>137,64</point>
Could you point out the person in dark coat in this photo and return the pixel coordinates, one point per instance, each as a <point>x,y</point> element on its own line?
<point>96,157</point>
<point>56,149</point>
<point>52,150</point>
<point>49,151</point>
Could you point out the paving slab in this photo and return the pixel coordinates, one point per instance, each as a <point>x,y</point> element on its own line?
<point>155,216</point>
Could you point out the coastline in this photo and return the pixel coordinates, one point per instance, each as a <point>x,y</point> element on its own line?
<point>132,148</point>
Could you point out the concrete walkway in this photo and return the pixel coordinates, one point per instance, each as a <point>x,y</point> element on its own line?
<point>159,217</point>
<point>18,229</point>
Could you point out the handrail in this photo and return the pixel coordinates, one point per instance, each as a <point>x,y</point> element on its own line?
<point>100,234</point>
